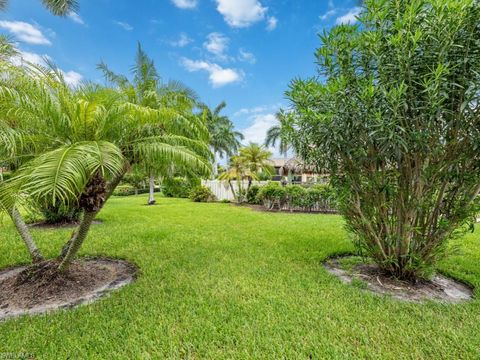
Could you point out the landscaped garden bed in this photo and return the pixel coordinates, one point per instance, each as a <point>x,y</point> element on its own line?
<point>39,288</point>
<point>368,276</point>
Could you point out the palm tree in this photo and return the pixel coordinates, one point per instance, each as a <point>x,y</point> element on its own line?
<point>56,7</point>
<point>257,160</point>
<point>237,171</point>
<point>83,142</point>
<point>224,139</point>
<point>147,90</point>
<point>280,133</point>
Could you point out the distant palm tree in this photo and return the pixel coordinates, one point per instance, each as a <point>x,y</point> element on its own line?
<point>56,7</point>
<point>148,90</point>
<point>257,160</point>
<point>280,133</point>
<point>224,139</point>
<point>238,171</point>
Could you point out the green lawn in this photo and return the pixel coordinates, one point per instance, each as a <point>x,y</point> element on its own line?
<point>219,281</point>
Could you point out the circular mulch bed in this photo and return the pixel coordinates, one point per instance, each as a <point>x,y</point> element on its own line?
<point>369,277</point>
<point>40,288</point>
<point>45,225</point>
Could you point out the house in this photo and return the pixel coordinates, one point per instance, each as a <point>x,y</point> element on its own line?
<point>294,170</point>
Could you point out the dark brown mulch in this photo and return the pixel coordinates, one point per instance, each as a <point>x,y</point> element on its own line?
<point>63,225</point>
<point>440,288</point>
<point>39,288</point>
<point>262,209</point>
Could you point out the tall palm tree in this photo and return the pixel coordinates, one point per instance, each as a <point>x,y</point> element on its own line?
<point>224,139</point>
<point>280,133</point>
<point>56,7</point>
<point>257,160</point>
<point>83,142</point>
<point>146,89</point>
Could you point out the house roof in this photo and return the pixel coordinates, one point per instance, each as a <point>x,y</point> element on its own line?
<point>278,162</point>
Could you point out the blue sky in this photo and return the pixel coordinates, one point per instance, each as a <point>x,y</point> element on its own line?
<point>242,51</point>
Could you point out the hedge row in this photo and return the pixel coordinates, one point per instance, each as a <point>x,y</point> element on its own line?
<point>318,198</point>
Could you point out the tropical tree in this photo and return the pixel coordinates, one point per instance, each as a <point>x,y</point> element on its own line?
<point>280,133</point>
<point>237,172</point>
<point>257,159</point>
<point>146,89</point>
<point>56,7</point>
<point>397,125</point>
<point>84,141</point>
<point>224,139</point>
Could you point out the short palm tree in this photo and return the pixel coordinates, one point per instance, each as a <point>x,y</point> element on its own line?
<point>224,139</point>
<point>257,160</point>
<point>238,171</point>
<point>78,144</point>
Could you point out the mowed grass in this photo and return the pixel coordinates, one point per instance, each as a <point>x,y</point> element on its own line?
<point>224,282</point>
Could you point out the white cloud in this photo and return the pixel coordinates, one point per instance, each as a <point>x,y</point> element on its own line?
<point>216,44</point>
<point>350,17</point>
<point>75,18</point>
<point>328,14</point>
<point>218,76</point>
<point>72,78</point>
<point>272,23</point>
<point>257,131</point>
<point>249,111</point>
<point>126,26</point>
<point>185,4</point>
<point>244,55</point>
<point>25,32</point>
<point>29,57</point>
<point>182,41</point>
<point>241,13</point>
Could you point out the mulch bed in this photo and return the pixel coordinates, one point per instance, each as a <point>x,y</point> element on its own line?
<point>440,288</point>
<point>64,225</point>
<point>263,209</point>
<point>40,288</point>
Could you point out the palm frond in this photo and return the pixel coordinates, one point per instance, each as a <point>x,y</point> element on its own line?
<point>61,7</point>
<point>117,80</point>
<point>61,175</point>
<point>157,152</point>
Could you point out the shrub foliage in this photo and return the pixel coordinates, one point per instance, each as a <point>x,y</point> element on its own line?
<point>201,194</point>
<point>179,187</point>
<point>318,198</point>
<point>397,125</point>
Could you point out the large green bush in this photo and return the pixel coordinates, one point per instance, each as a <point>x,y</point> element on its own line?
<point>179,187</point>
<point>59,213</point>
<point>252,195</point>
<point>201,194</point>
<point>272,195</point>
<point>394,119</point>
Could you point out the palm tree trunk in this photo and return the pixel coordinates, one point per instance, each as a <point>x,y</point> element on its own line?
<point>215,164</point>
<point>231,188</point>
<point>77,240</point>
<point>111,188</point>
<point>151,198</point>
<point>25,235</point>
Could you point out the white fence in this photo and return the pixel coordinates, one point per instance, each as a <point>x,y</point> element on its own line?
<point>222,190</point>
